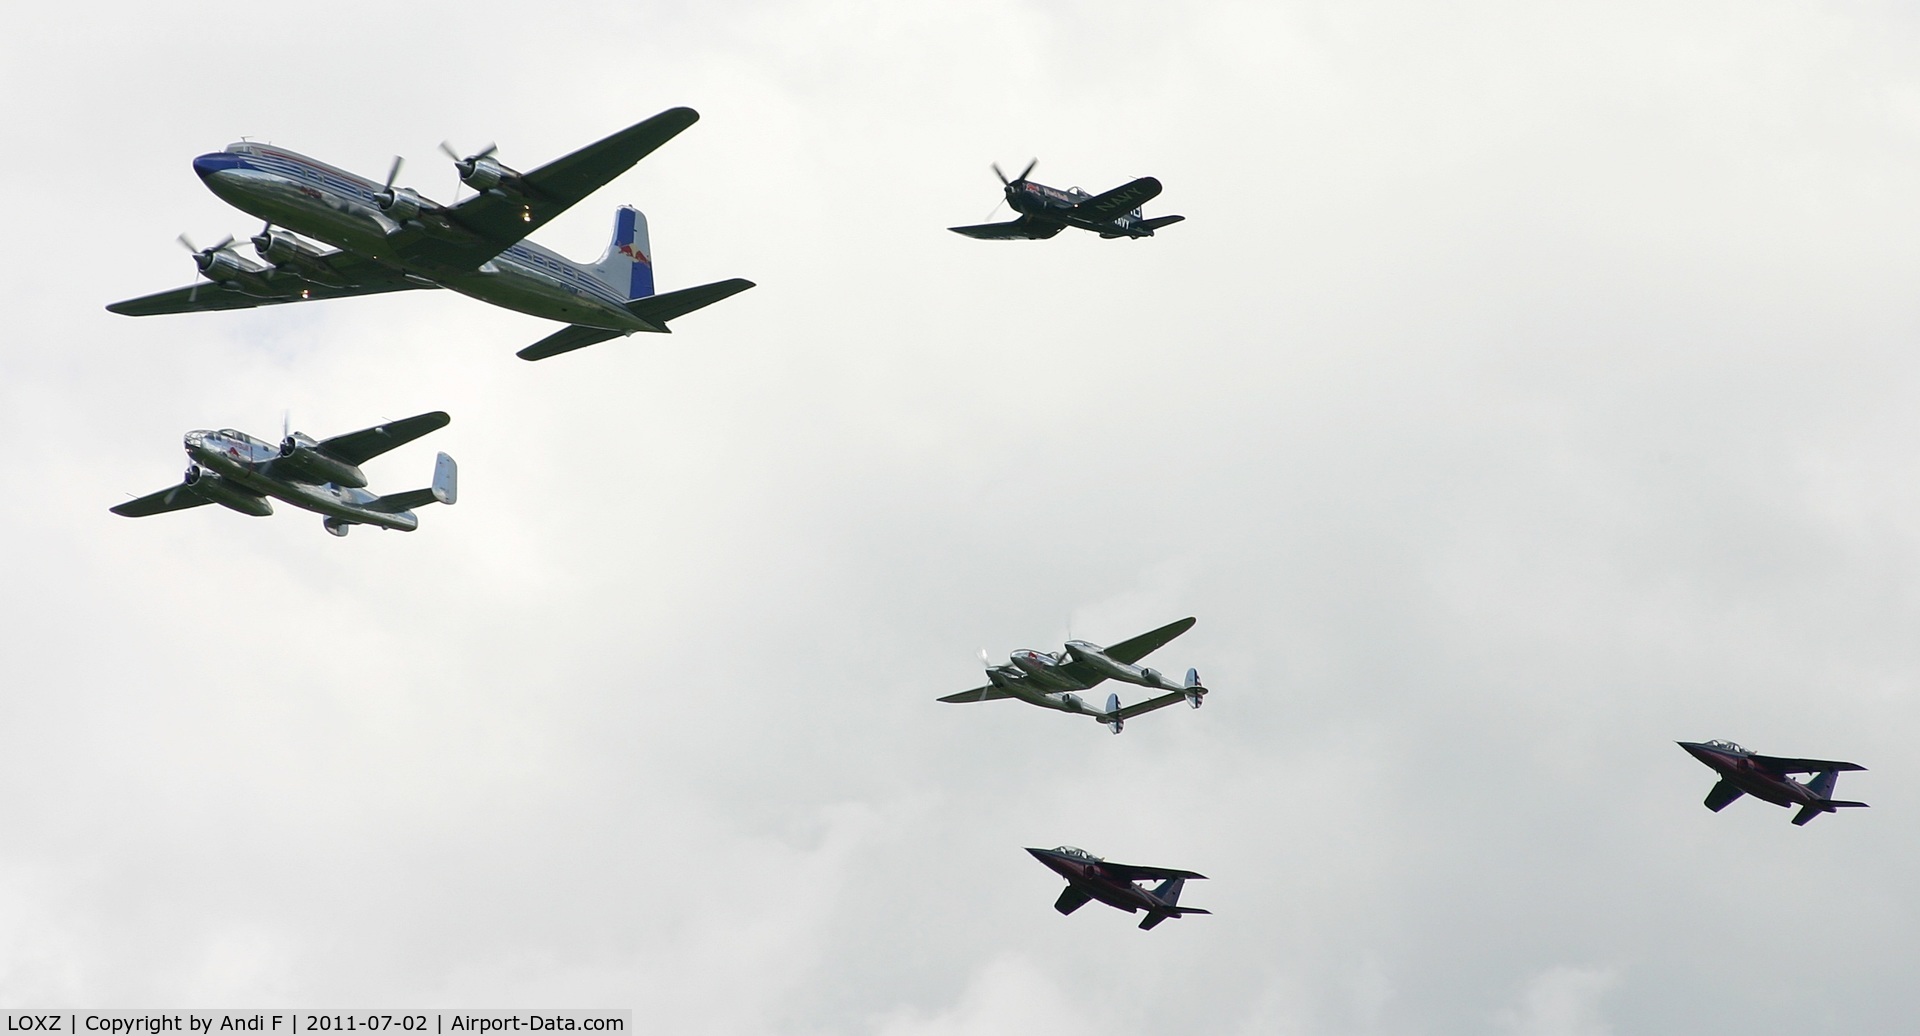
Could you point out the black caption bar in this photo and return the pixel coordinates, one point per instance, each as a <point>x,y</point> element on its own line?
<point>280,1021</point>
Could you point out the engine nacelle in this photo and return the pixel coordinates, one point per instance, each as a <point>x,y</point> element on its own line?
<point>210,486</point>
<point>481,174</point>
<point>1151,676</point>
<point>400,203</point>
<point>278,246</point>
<point>311,465</point>
<point>335,526</point>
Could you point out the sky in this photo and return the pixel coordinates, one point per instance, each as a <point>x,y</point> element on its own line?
<point>1529,388</point>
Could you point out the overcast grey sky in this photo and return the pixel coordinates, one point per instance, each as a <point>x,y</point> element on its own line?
<point>1530,387</point>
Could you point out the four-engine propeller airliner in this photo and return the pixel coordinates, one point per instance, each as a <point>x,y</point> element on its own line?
<point>1049,680</point>
<point>1744,772</point>
<point>1089,877</point>
<point>386,238</point>
<point>237,471</point>
<point>1046,211</point>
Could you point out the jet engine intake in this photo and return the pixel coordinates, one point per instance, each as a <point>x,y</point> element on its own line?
<point>335,526</point>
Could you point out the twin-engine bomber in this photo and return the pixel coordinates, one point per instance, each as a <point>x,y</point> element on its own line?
<point>1046,211</point>
<point>239,472</point>
<point>1050,680</point>
<point>385,238</point>
<point>1089,877</point>
<point>1745,772</point>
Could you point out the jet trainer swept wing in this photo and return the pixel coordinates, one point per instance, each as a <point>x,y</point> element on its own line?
<point>1783,764</point>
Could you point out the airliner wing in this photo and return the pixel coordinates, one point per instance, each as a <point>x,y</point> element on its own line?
<point>1119,201</point>
<point>368,443</point>
<point>1131,651</point>
<point>351,275</point>
<point>499,218</point>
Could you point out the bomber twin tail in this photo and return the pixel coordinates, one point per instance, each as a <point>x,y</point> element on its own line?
<point>1745,772</point>
<point>239,472</point>
<point>1046,211</point>
<point>1050,680</point>
<point>1116,884</point>
<point>344,235</point>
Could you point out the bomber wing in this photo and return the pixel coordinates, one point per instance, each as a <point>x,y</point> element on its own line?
<point>1131,651</point>
<point>355,275</point>
<point>1119,201</point>
<point>1024,228</point>
<point>1781,764</point>
<point>359,447</point>
<point>987,693</point>
<point>501,217</point>
<point>173,498</point>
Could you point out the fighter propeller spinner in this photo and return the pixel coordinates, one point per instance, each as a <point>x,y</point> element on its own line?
<point>1050,680</point>
<point>239,472</point>
<point>1046,211</point>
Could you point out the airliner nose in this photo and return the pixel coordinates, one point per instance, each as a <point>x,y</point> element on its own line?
<point>207,165</point>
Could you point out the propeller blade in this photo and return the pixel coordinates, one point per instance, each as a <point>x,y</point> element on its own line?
<point>186,243</point>
<point>225,243</point>
<point>487,152</point>
<point>447,150</point>
<point>1029,168</point>
<point>984,660</point>
<point>286,424</point>
<point>1003,177</point>
<point>394,173</point>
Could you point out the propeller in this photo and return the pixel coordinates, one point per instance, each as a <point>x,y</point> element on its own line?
<point>465,165</point>
<point>202,260</point>
<point>263,239</point>
<point>385,197</point>
<point>1006,185</point>
<point>1004,182</point>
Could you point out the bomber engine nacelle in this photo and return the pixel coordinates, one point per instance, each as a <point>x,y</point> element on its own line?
<point>210,486</point>
<point>312,465</point>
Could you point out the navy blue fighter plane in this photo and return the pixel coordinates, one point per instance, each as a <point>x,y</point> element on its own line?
<point>1744,772</point>
<point>1046,211</point>
<point>1089,877</point>
<point>348,235</point>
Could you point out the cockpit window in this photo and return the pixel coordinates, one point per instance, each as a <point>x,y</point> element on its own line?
<point>228,433</point>
<point>1068,850</point>
<point>1728,746</point>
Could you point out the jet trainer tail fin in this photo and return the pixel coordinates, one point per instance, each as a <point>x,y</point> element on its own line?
<point>628,265</point>
<point>1814,809</point>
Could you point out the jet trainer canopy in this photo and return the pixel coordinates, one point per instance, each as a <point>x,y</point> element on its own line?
<point>1068,850</point>
<point>1728,746</point>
